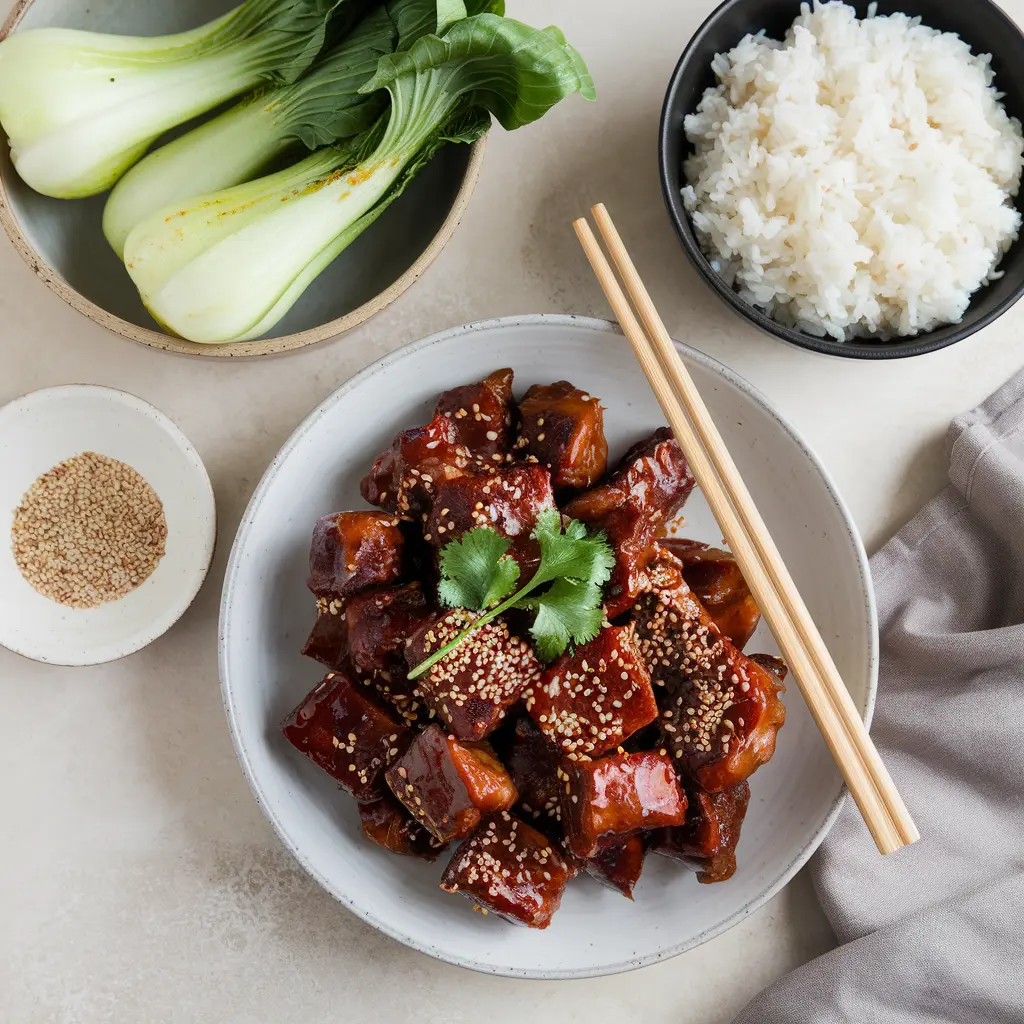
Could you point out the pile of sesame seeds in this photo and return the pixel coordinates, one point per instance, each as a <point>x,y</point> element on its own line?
<point>88,531</point>
<point>330,606</point>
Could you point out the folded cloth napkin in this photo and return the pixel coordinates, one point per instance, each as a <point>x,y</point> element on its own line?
<point>934,931</point>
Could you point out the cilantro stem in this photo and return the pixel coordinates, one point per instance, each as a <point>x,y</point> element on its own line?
<point>428,663</point>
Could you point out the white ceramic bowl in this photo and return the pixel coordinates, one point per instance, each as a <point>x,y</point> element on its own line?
<point>266,613</point>
<point>44,428</point>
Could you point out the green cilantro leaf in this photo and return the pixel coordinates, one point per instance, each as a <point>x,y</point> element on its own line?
<point>567,612</point>
<point>476,571</point>
<point>565,593</point>
<point>572,554</point>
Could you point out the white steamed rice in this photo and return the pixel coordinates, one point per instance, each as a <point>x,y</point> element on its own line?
<point>857,178</point>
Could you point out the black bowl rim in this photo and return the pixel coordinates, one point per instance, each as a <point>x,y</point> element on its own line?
<point>914,346</point>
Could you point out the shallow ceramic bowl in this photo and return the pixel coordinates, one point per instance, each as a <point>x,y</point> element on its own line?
<point>266,613</point>
<point>63,242</point>
<point>981,23</point>
<point>41,430</point>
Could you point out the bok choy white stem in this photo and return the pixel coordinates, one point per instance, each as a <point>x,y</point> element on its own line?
<point>228,266</point>
<point>323,106</point>
<point>80,108</point>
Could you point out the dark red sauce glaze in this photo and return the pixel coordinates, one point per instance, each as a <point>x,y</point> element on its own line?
<point>344,731</point>
<point>721,709</point>
<point>352,551</point>
<point>532,761</point>
<point>472,689</point>
<point>388,824</point>
<point>510,869</point>
<point>380,622</point>
<point>634,508</point>
<point>455,442</point>
<point>482,415</point>
<point>606,800</point>
<point>715,578</point>
<point>562,429</point>
<point>447,786</point>
<point>328,640</point>
<point>595,697</point>
<point>507,501</point>
<point>708,839</point>
<point>619,866</point>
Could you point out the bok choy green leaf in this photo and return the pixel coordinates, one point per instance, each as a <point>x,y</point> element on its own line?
<point>228,266</point>
<point>80,108</point>
<point>323,106</point>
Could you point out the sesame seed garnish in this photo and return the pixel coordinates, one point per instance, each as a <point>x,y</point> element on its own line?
<point>88,531</point>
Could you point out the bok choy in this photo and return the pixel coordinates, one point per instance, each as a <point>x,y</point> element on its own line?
<point>229,265</point>
<point>323,106</point>
<point>80,108</point>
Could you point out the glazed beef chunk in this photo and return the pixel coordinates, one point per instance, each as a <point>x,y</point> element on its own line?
<point>721,709</point>
<point>708,839</point>
<point>448,786</point>
<point>472,688</point>
<point>328,640</point>
<point>482,415</point>
<point>716,580</point>
<point>388,824</point>
<point>468,434</point>
<point>509,869</point>
<point>618,867</point>
<point>378,625</point>
<point>394,687</point>
<point>380,622</point>
<point>643,495</point>
<point>352,551</point>
<point>562,429</point>
<point>611,798</point>
<point>344,731</point>
<point>595,697</point>
<point>533,760</point>
<point>507,501</point>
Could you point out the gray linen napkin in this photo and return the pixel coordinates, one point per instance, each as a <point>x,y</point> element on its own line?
<point>934,932</point>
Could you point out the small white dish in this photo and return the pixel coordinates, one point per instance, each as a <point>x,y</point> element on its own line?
<point>42,429</point>
<point>266,614</point>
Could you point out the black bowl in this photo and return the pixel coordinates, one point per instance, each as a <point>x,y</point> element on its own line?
<point>979,22</point>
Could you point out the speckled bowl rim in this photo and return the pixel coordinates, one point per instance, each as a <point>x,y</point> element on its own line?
<point>234,349</point>
<point>383,366</point>
<point>187,597</point>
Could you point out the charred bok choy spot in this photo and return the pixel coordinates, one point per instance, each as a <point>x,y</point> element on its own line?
<point>81,107</point>
<point>229,265</point>
<point>565,592</point>
<point>324,106</point>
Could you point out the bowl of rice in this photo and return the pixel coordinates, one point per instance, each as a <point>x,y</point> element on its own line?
<point>847,176</point>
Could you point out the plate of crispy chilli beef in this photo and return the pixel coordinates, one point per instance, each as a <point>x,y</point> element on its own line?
<point>487,663</point>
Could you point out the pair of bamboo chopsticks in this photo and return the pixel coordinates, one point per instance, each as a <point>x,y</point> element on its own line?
<point>759,560</point>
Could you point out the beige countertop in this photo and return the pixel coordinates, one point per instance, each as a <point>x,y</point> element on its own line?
<point>138,879</point>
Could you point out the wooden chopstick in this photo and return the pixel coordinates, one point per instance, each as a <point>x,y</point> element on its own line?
<point>754,526</point>
<point>859,768</point>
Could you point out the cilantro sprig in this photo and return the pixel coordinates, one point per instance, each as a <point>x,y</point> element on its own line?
<point>479,574</point>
